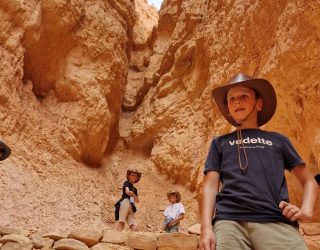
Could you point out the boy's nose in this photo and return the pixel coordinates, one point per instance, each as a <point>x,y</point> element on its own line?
<point>237,100</point>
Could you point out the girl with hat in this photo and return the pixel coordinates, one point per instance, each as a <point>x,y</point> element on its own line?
<point>125,207</point>
<point>173,213</point>
<point>252,210</point>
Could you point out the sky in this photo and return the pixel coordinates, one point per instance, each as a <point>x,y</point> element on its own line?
<point>156,3</point>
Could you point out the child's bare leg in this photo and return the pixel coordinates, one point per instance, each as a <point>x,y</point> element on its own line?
<point>125,208</point>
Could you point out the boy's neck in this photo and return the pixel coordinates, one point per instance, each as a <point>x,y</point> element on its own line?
<point>250,123</point>
<point>248,127</point>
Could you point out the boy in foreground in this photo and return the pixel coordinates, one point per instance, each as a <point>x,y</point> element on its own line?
<point>252,209</point>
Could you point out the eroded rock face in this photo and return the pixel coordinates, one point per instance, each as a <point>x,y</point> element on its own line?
<point>147,19</point>
<point>200,45</point>
<point>63,68</point>
<point>69,60</point>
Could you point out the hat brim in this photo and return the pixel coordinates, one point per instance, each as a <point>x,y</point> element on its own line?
<point>177,195</point>
<point>136,172</point>
<point>262,86</point>
<point>5,151</point>
<point>317,178</point>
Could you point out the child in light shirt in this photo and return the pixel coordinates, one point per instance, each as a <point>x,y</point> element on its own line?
<point>173,213</point>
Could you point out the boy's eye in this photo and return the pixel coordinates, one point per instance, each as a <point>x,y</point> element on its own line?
<point>243,97</point>
<point>232,99</point>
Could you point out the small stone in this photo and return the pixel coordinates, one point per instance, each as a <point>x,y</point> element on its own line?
<point>194,229</point>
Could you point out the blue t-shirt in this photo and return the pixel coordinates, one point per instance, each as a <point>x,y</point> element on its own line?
<point>252,194</point>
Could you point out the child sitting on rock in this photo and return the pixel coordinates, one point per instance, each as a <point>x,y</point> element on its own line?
<point>125,207</point>
<point>173,213</point>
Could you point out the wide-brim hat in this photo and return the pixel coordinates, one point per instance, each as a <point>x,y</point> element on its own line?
<point>5,150</point>
<point>176,193</point>
<point>262,86</point>
<point>129,171</point>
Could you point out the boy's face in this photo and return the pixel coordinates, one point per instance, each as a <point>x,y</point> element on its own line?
<point>243,104</point>
<point>173,198</point>
<point>133,177</point>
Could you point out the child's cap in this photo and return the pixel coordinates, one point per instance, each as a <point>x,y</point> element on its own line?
<point>130,171</point>
<point>317,178</point>
<point>5,150</point>
<point>176,193</point>
<point>262,86</point>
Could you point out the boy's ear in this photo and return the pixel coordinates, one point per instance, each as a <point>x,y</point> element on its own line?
<point>259,104</point>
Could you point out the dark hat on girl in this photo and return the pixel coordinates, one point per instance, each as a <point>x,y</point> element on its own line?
<point>5,151</point>
<point>262,86</point>
<point>175,193</point>
<point>130,171</point>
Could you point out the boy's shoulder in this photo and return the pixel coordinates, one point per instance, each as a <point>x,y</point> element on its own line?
<point>223,136</point>
<point>275,134</point>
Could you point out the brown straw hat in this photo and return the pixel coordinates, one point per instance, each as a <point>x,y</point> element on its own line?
<point>262,86</point>
<point>176,193</point>
<point>129,171</point>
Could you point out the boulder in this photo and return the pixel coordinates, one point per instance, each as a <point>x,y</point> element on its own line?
<point>89,237</point>
<point>115,237</point>
<point>15,238</point>
<point>142,241</point>
<point>108,246</point>
<point>70,244</point>
<point>16,246</point>
<point>177,241</point>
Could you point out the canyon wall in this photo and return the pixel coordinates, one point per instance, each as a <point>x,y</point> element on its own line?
<point>200,45</point>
